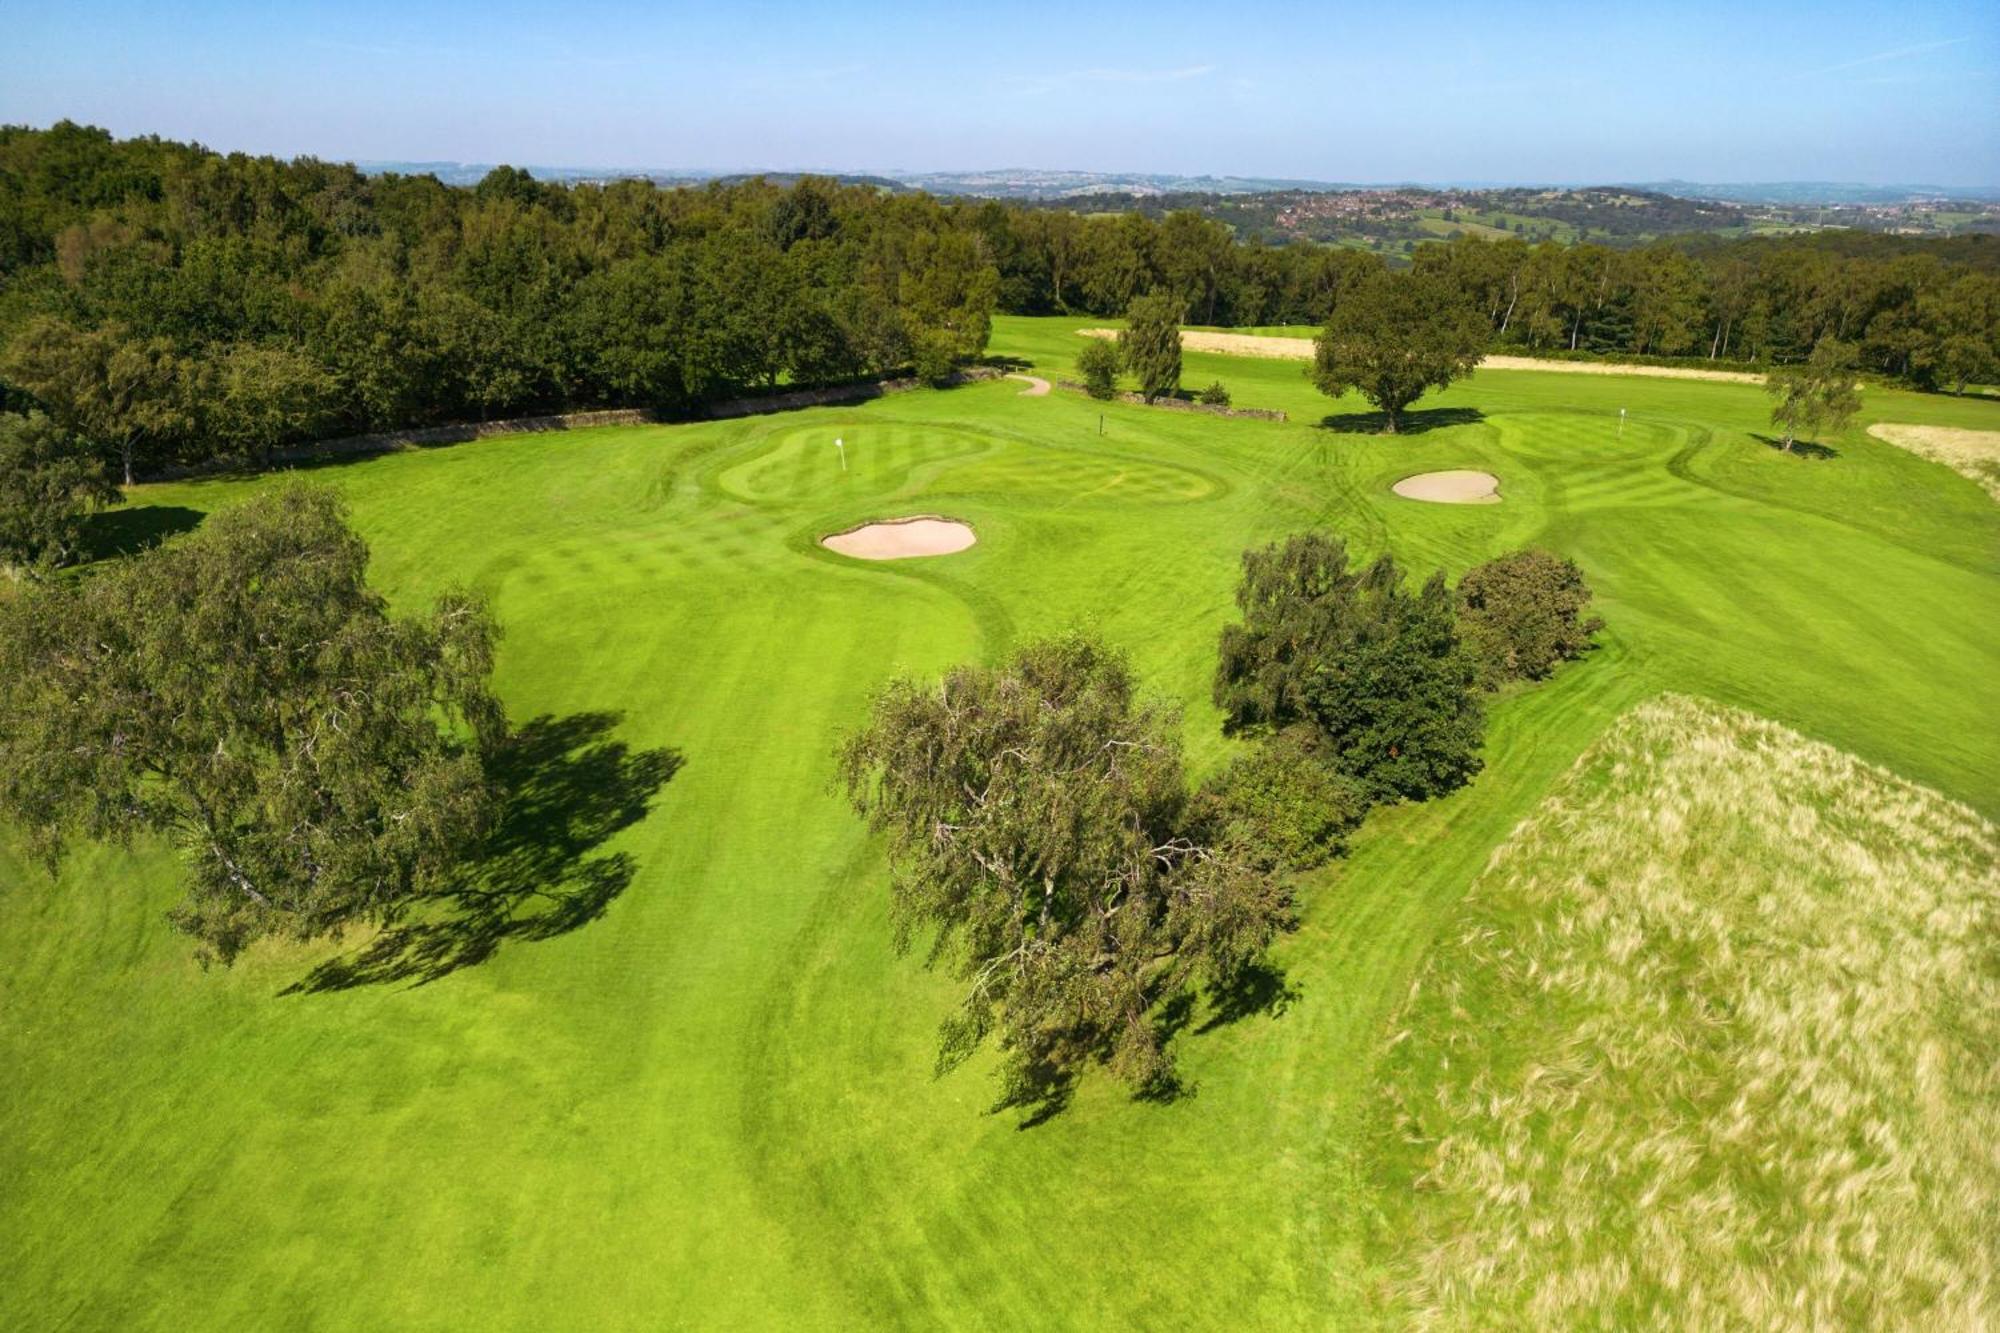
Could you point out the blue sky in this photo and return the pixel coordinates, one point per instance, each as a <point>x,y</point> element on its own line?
<point>1792,90</point>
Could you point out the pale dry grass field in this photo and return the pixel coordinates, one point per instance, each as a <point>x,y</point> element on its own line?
<point>1715,1045</point>
<point>1301,349</point>
<point>1970,453</point>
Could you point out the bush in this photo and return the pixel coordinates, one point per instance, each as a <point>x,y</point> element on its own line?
<point>49,481</point>
<point>1376,671</point>
<point>1215,395</point>
<point>935,356</point>
<point>1281,805</point>
<point>1523,613</point>
<point>1098,364</point>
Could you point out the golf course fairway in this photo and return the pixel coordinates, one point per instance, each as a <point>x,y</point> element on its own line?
<point>708,1100</point>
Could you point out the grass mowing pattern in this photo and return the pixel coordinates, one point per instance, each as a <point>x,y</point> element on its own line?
<point>713,1105</point>
<point>1715,1044</point>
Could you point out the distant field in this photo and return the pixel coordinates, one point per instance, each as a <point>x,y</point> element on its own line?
<point>714,1105</point>
<point>1439,226</point>
<point>1711,1044</point>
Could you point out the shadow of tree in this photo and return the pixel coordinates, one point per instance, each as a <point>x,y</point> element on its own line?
<point>1799,449</point>
<point>1045,1090</point>
<point>118,532</point>
<point>1412,423</point>
<point>1259,988</point>
<point>1043,1094</point>
<point>565,788</point>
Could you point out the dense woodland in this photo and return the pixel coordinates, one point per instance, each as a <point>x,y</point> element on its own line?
<point>171,304</point>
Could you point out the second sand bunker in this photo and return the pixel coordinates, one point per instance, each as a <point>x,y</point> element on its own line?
<point>901,539</point>
<point>1451,488</point>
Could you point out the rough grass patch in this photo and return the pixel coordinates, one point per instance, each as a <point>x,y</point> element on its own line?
<point>1970,453</point>
<point>1714,1045</point>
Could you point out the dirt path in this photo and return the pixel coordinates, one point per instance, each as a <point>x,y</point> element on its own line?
<point>1037,386</point>
<point>1301,349</point>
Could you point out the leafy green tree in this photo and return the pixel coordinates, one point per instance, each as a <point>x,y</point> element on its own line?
<point>1524,613</point>
<point>1195,256</point>
<point>1039,825</point>
<point>1150,344</point>
<point>1394,336</point>
<point>946,294</point>
<point>1280,803</point>
<point>1378,672</point>
<point>49,480</point>
<point>113,389</point>
<point>1964,317</point>
<point>244,693</point>
<point>1665,293</point>
<point>1816,396</point>
<point>1098,364</point>
<point>262,397</point>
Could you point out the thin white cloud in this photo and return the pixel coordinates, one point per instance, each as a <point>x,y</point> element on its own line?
<point>1142,75</point>
<point>765,80</point>
<point>1040,84</point>
<point>1897,53</point>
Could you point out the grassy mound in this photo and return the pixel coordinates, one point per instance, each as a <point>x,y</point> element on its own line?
<point>1718,1040</point>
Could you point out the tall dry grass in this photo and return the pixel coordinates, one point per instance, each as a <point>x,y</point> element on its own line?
<point>1970,453</point>
<point>1718,1046</point>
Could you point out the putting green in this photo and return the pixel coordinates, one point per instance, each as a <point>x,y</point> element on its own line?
<point>714,1103</point>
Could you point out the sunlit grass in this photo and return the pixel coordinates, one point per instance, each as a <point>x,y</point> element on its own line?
<point>1715,1043</point>
<point>713,1105</point>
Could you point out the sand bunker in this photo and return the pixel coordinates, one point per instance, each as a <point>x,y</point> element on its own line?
<point>1451,488</point>
<point>1301,349</point>
<point>901,538</point>
<point>1970,453</point>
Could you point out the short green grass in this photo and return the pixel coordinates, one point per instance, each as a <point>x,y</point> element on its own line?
<point>1711,1046</point>
<point>714,1106</point>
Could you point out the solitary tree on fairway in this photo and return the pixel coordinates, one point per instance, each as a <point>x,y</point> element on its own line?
<point>244,693</point>
<point>1395,335</point>
<point>49,480</point>
<point>1150,344</point>
<point>1817,396</point>
<point>1037,818</point>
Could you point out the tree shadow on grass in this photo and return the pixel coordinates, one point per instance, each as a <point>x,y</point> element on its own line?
<point>1259,988</point>
<point>1046,1090</point>
<point>1411,423</point>
<point>565,788</point>
<point>1045,1094</point>
<point>1799,449</point>
<point>119,532</point>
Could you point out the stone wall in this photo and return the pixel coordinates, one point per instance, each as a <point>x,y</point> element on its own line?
<point>428,437</point>
<point>1188,405</point>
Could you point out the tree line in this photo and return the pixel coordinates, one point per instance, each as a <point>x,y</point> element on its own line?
<point>167,304</point>
<point>173,305</point>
